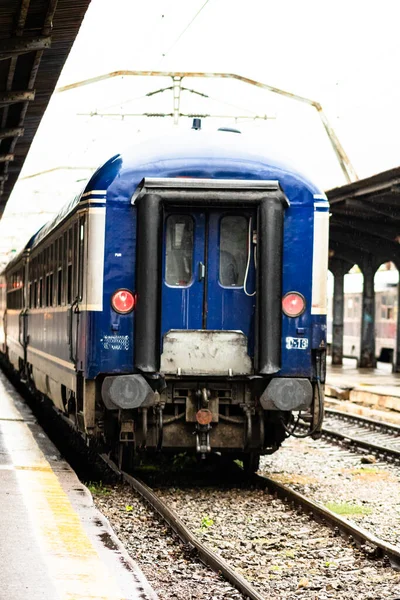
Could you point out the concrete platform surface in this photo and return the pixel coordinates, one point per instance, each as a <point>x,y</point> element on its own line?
<point>373,387</point>
<point>54,545</point>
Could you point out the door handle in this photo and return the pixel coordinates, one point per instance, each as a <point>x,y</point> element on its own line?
<point>202,271</point>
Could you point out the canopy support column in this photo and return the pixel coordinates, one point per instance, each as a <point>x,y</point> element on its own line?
<point>339,268</point>
<point>367,346</point>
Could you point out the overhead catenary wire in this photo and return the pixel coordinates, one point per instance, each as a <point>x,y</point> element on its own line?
<point>185,29</point>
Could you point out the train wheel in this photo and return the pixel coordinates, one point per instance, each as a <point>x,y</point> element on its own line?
<point>251,462</point>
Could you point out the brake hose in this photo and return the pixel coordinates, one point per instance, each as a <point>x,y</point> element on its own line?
<point>291,432</point>
<point>317,427</point>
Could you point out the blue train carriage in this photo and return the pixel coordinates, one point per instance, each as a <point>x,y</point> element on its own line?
<point>179,303</point>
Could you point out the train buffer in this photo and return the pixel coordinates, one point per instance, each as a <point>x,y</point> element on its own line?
<point>54,544</point>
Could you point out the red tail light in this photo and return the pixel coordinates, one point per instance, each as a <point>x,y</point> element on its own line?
<point>293,304</point>
<point>123,301</point>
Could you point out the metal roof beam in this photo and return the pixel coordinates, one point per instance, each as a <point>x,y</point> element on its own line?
<point>389,198</point>
<point>371,186</point>
<point>12,47</point>
<point>376,229</point>
<point>365,215</point>
<point>11,132</point>
<point>364,243</point>
<point>373,208</point>
<point>393,212</point>
<point>347,253</point>
<point>13,97</point>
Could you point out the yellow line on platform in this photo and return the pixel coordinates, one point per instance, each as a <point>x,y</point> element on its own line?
<point>73,562</point>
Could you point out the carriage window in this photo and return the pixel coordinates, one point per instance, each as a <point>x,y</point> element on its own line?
<point>179,250</point>
<point>233,251</point>
<point>387,307</point>
<point>40,300</point>
<point>59,287</point>
<point>69,284</point>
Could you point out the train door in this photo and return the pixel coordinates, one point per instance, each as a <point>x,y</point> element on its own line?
<point>74,276</point>
<point>209,271</point>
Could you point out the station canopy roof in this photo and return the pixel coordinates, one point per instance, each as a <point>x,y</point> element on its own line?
<point>365,220</point>
<point>35,39</point>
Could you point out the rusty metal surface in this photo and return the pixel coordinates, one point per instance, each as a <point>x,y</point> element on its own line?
<point>35,39</point>
<point>205,353</point>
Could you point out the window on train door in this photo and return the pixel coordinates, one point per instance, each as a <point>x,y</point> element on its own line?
<point>75,251</point>
<point>70,282</point>
<point>32,303</point>
<point>51,282</point>
<point>64,263</point>
<point>81,255</point>
<point>179,250</point>
<point>233,250</point>
<point>60,271</point>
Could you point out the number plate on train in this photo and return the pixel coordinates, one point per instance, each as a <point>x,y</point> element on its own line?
<point>293,343</point>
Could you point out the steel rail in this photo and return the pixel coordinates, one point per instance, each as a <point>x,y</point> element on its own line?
<point>207,556</point>
<point>365,539</point>
<point>381,450</point>
<point>386,451</point>
<point>354,441</point>
<point>367,421</point>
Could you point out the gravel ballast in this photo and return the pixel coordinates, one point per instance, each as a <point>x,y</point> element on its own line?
<point>284,554</point>
<point>170,568</point>
<point>363,490</point>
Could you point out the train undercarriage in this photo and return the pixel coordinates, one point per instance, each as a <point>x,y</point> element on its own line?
<point>202,417</point>
<point>242,418</point>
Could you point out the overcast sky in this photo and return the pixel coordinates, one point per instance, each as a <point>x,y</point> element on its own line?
<point>342,53</point>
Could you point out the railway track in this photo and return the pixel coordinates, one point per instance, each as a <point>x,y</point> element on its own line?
<point>210,558</point>
<point>376,437</point>
<point>370,545</point>
<point>368,542</point>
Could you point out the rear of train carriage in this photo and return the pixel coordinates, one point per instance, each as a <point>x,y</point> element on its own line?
<point>225,303</point>
<point>207,327</point>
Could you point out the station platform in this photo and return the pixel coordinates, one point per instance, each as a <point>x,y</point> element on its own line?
<point>372,388</point>
<point>54,545</point>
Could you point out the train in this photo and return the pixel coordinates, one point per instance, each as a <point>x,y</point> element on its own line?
<point>178,304</point>
<point>386,294</point>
